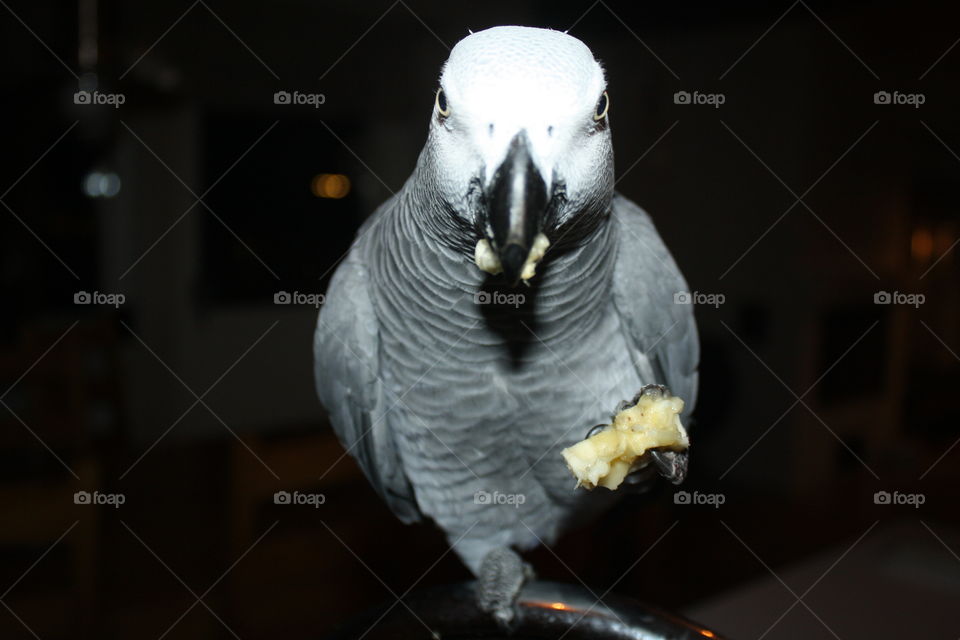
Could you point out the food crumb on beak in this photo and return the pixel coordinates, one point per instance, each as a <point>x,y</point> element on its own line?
<point>537,251</point>
<point>486,258</point>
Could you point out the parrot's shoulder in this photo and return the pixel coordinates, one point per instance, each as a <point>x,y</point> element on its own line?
<point>648,294</point>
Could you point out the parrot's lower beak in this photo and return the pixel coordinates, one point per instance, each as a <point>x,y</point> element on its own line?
<point>516,200</point>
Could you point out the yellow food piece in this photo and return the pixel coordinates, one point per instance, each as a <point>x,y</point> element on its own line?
<point>486,258</point>
<point>539,248</point>
<point>607,457</point>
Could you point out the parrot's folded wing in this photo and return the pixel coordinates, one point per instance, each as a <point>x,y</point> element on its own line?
<point>645,286</point>
<point>346,353</point>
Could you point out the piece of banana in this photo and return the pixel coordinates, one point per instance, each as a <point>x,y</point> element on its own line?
<point>605,458</point>
<point>486,258</point>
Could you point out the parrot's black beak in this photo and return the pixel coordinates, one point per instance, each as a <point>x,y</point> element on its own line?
<point>516,200</point>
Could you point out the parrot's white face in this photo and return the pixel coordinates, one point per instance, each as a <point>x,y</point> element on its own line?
<point>515,104</point>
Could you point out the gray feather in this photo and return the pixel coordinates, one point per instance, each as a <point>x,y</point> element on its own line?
<point>448,403</point>
<point>346,355</point>
<point>645,281</point>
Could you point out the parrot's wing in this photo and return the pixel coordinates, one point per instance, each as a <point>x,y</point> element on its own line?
<point>645,282</point>
<point>346,349</point>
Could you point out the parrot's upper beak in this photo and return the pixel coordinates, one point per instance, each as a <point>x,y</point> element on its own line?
<point>516,200</point>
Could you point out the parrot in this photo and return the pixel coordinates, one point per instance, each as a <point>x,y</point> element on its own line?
<point>502,302</point>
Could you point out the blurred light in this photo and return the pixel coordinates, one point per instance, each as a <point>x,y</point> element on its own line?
<point>707,634</point>
<point>558,605</point>
<point>330,185</point>
<point>98,184</point>
<point>921,244</point>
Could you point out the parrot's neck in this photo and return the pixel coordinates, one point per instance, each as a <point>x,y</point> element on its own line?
<point>565,299</point>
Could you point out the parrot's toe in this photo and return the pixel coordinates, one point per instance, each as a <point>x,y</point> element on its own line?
<point>595,430</point>
<point>647,390</point>
<point>672,465</point>
<point>502,575</point>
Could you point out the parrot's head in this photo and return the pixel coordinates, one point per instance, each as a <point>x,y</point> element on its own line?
<point>519,144</point>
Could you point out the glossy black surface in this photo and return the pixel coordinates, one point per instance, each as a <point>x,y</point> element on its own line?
<point>545,610</point>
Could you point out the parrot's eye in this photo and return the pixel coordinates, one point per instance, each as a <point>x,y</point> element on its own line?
<point>602,105</point>
<point>442,107</point>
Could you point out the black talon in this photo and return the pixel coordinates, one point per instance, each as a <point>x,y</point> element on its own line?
<point>672,465</point>
<point>646,390</point>
<point>653,390</point>
<point>596,429</point>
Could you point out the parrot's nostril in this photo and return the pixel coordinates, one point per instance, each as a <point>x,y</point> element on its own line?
<point>490,129</point>
<point>550,130</point>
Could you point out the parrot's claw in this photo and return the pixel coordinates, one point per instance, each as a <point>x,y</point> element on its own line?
<point>595,430</point>
<point>502,575</point>
<point>658,390</point>
<point>672,465</point>
<point>646,390</point>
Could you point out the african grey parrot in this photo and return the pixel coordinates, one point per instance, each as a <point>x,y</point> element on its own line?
<point>451,373</point>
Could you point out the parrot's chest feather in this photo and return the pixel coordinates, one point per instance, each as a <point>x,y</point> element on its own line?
<point>460,353</point>
<point>485,388</point>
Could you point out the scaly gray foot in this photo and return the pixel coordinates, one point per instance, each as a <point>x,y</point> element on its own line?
<point>502,576</point>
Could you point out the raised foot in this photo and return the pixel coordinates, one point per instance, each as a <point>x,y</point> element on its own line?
<point>671,465</point>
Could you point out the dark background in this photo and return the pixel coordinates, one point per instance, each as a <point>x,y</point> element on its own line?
<point>797,200</point>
